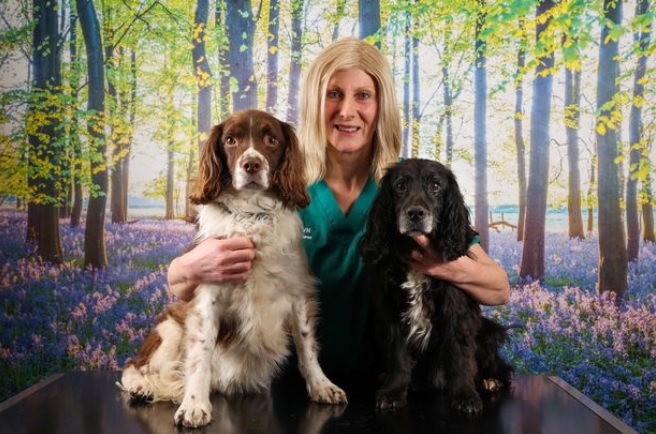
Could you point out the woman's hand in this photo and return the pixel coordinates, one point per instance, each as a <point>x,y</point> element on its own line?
<point>213,260</point>
<point>481,277</point>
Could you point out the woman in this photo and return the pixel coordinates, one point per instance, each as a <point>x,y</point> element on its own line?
<point>351,131</point>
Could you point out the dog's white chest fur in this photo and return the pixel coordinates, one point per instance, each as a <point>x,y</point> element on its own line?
<point>257,216</point>
<point>276,233</point>
<point>262,303</point>
<point>416,315</point>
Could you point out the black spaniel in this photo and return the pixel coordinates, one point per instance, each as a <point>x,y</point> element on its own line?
<point>430,333</point>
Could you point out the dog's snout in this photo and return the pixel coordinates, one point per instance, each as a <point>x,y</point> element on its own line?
<point>415,213</point>
<point>251,166</point>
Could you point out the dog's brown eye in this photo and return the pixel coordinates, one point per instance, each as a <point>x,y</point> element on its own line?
<point>230,141</point>
<point>271,141</point>
<point>401,186</point>
<point>434,187</point>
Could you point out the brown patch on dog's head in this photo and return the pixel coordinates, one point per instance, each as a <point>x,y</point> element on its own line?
<point>252,149</point>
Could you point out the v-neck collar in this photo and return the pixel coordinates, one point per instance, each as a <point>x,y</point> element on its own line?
<point>356,218</point>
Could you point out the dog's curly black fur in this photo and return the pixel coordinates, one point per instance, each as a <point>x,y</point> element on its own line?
<point>430,333</point>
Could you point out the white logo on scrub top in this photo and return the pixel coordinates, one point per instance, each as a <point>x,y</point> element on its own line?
<point>307,233</point>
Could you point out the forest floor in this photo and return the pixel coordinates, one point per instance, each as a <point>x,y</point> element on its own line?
<point>59,318</point>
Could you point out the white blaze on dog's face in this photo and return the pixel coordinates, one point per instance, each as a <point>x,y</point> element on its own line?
<point>418,200</point>
<point>254,146</point>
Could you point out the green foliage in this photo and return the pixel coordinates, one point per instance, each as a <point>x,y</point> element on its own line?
<point>161,35</point>
<point>156,188</point>
<point>14,38</point>
<point>13,170</point>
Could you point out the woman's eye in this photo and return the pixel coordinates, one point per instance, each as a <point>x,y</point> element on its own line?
<point>364,95</point>
<point>334,94</point>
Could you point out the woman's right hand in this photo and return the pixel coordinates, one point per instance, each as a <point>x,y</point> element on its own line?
<point>213,260</point>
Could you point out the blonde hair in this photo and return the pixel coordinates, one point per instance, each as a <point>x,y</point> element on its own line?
<point>345,54</point>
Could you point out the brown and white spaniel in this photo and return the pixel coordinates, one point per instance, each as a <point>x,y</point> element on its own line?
<point>232,337</point>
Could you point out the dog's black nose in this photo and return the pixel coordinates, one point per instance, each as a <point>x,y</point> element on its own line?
<point>251,166</point>
<point>415,213</point>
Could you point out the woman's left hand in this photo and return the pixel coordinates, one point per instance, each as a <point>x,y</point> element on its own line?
<point>476,274</point>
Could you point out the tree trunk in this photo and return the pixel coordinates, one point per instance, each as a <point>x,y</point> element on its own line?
<point>612,246</point>
<point>74,138</point>
<point>78,199</point>
<point>519,129</point>
<point>67,200</point>
<point>480,130</point>
<point>65,189</point>
<point>241,29</point>
<point>170,180</point>
<point>416,92</point>
<point>190,214</point>
<point>448,115</point>
<point>572,116</point>
<point>43,209</point>
<point>635,139</point>
<point>339,13</point>
<point>202,71</point>
<point>532,263</point>
<point>272,56</point>
<point>369,18</point>
<point>95,255</point>
<point>407,149</point>
<point>295,67</point>
<point>223,68</point>
<point>439,142</point>
<point>124,115</point>
<point>114,112</point>
<point>132,117</point>
<point>592,185</point>
<point>648,212</point>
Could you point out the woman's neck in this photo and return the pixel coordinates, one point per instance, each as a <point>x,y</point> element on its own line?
<point>346,176</point>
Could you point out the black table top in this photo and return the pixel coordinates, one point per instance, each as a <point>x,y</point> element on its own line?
<point>90,403</point>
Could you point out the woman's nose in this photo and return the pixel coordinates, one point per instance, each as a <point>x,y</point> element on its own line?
<point>347,107</point>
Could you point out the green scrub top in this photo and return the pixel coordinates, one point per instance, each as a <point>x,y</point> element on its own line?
<point>331,241</point>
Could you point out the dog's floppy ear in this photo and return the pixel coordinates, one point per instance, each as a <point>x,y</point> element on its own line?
<point>454,221</point>
<point>213,174</point>
<point>289,177</point>
<point>376,243</point>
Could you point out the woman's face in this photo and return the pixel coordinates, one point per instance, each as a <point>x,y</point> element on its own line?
<point>351,110</point>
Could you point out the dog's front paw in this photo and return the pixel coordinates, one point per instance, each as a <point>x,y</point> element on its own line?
<point>134,382</point>
<point>327,393</point>
<point>391,399</point>
<point>468,405</point>
<point>193,415</point>
<point>141,397</point>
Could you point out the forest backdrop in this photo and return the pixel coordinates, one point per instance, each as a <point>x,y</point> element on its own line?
<point>537,104</point>
<point>101,79</point>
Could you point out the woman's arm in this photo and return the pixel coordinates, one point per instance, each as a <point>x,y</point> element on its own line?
<point>481,277</point>
<point>213,260</point>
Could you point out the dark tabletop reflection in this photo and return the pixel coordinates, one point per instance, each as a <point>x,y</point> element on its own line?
<point>86,403</point>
